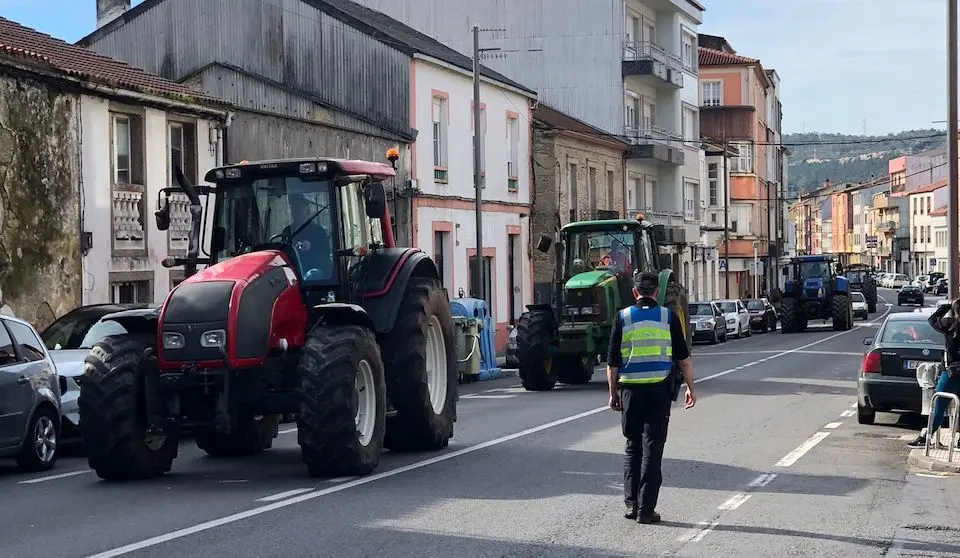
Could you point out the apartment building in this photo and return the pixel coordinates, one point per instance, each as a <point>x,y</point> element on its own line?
<point>626,67</point>
<point>740,108</point>
<point>885,212</point>
<point>922,203</point>
<point>941,240</point>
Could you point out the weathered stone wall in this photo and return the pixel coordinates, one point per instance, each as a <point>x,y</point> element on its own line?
<point>39,215</point>
<point>553,154</point>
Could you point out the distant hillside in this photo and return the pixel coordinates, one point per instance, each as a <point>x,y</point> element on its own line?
<point>850,158</point>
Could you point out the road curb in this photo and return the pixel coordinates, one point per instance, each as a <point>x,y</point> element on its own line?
<point>930,463</point>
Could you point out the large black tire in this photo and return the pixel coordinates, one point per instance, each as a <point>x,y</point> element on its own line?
<point>418,426</point>
<point>574,370</point>
<point>842,312</point>
<point>111,402</point>
<point>252,436</point>
<point>791,318</point>
<point>534,336</point>
<point>871,294</point>
<point>327,431</point>
<point>676,300</point>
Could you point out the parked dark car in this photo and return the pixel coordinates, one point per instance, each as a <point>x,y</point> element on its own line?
<point>909,294</point>
<point>941,287</point>
<point>763,317</point>
<point>707,323</point>
<point>888,374</point>
<point>29,398</point>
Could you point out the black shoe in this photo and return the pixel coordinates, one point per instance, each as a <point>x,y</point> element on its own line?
<point>648,518</point>
<point>631,513</point>
<point>919,443</point>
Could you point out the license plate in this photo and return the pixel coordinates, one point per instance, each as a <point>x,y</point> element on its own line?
<point>911,364</point>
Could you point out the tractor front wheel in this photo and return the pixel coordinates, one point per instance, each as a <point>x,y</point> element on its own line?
<point>842,312</point>
<point>791,318</point>
<point>343,405</point>
<point>534,336</point>
<point>421,369</point>
<point>112,404</point>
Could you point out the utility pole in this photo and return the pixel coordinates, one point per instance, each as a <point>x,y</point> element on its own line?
<point>726,220</point>
<point>952,138</point>
<point>477,161</point>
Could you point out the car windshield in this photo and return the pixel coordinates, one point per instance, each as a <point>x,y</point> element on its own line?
<point>814,270</point>
<point>615,251</point>
<point>910,331</point>
<point>701,309</point>
<point>68,331</point>
<point>281,209</point>
<point>858,297</point>
<point>101,329</point>
<point>755,305</point>
<point>728,306</point>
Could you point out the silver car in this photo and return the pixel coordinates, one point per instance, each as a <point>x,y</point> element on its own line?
<point>29,397</point>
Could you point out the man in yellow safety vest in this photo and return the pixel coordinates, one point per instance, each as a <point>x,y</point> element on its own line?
<point>646,343</point>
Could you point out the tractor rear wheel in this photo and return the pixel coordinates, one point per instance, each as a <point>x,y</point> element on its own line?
<point>871,299</point>
<point>112,404</point>
<point>343,402</point>
<point>790,319</point>
<point>252,436</point>
<point>534,336</point>
<point>842,312</point>
<point>421,369</point>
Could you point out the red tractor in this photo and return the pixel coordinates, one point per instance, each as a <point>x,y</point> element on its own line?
<point>306,307</point>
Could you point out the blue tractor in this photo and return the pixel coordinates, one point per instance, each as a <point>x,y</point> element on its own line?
<point>816,291</point>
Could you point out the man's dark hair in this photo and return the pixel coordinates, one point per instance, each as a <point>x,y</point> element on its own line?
<point>646,282</point>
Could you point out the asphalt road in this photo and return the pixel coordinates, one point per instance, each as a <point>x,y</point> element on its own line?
<point>771,462</point>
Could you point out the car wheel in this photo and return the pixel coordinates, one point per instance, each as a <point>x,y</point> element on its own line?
<point>865,415</point>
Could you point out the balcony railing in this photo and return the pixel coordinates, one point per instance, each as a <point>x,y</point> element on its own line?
<point>653,142</point>
<point>128,219</point>
<point>886,226</point>
<point>179,231</point>
<point>649,58</point>
<point>643,135</point>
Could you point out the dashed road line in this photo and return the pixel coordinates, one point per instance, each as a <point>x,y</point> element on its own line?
<point>802,449</point>
<point>848,413</point>
<point>735,501</point>
<point>762,480</point>
<point>55,477</point>
<point>282,495</point>
<point>832,425</point>
<point>288,430</point>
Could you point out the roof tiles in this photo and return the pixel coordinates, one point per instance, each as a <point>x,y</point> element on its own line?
<point>711,57</point>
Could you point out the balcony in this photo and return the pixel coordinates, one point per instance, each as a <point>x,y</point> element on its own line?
<point>886,227</point>
<point>652,142</point>
<point>129,208</point>
<point>731,122</point>
<point>653,64</point>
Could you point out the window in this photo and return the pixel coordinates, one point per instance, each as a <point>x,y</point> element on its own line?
<point>744,161</point>
<point>440,253</point>
<point>358,229</point>
<point>712,93</point>
<point>929,238</point>
<point>928,204</point>
<point>513,141</point>
<point>592,190</point>
<point>440,139</point>
<point>486,291</point>
<point>31,349</point>
<point>914,204</point>
<point>691,200</point>
<point>690,122</point>
<point>688,51</point>
<point>611,191</point>
<point>572,194</point>
<point>713,172</point>
<point>916,238</point>
<point>127,149</point>
<point>129,292</point>
<point>649,113</point>
<point>649,192</point>
<point>7,354</point>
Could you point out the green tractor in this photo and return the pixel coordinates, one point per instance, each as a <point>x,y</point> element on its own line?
<point>593,281</point>
<point>862,278</point>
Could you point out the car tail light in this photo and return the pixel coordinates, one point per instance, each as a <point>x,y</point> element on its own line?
<point>871,363</point>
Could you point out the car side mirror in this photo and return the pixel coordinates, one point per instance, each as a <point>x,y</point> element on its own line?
<point>544,243</point>
<point>162,215</point>
<point>218,240</point>
<point>375,200</point>
<point>868,341</point>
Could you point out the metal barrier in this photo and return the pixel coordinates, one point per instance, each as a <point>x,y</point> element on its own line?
<point>954,419</point>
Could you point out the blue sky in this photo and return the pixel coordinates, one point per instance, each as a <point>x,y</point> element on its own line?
<point>841,62</point>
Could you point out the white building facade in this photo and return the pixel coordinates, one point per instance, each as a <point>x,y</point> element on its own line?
<point>128,152</point>
<point>626,67</point>
<point>444,208</point>
<point>707,260</point>
<point>922,203</point>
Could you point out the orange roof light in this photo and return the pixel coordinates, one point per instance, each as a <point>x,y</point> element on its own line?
<point>639,216</point>
<point>393,154</point>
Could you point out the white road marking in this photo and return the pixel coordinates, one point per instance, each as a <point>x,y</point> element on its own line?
<point>801,450</point>
<point>226,520</point>
<point>694,532</point>
<point>832,425</point>
<point>848,413</point>
<point>479,396</point>
<point>933,476</point>
<point>762,480</point>
<point>288,430</point>
<point>340,479</point>
<point>55,477</point>
<point>233,481</point>
<point>735,501</point>
<point>732,353</point>
<point>853,406</point>
<point>711,527</point>
<point>282,495</point>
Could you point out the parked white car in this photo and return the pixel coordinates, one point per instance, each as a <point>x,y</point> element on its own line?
<point>736,315</point>
<point>919,281</point>
<point>860,309</point>
<point>897,281</point>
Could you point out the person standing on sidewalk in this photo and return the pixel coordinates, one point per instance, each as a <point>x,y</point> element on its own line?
<point>646,344</point>
<point>949,380</point>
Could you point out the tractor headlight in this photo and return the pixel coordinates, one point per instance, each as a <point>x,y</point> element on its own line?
<point>572,310</point>
<point>820,292</point>
<point>213,338</point>
<point>173,341</point>
<point>590,310</point>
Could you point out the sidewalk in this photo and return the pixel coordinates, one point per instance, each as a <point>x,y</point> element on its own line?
<point>937,460</point>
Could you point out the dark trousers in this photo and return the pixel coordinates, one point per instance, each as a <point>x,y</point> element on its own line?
<point>645,418</point>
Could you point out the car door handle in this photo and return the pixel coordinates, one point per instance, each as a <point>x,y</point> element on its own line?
<point>23,380</point>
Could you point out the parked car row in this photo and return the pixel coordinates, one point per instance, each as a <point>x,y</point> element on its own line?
<point>892,280</point>
<point>716,320</point>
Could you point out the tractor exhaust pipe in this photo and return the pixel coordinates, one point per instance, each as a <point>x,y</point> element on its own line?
<point>196,215</point>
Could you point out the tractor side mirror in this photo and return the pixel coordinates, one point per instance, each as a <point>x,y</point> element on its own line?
<point>218,240</point>
<point>544,243</point>
<point>162,215</point>
<point>660,233</point>
<point>786,272</point>
<point>375,200</point>
<point>665,261</point>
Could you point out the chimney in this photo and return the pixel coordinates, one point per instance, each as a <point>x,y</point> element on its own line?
<point>109,10</point>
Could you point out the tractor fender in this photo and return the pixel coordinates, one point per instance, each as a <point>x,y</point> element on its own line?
<point>788,288</point>
<point>399,266</point>
<point>138,323</point>
<point>665,276</point>
<point>343,314</point>
<point>540,308</point>
<point>842,286</point>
